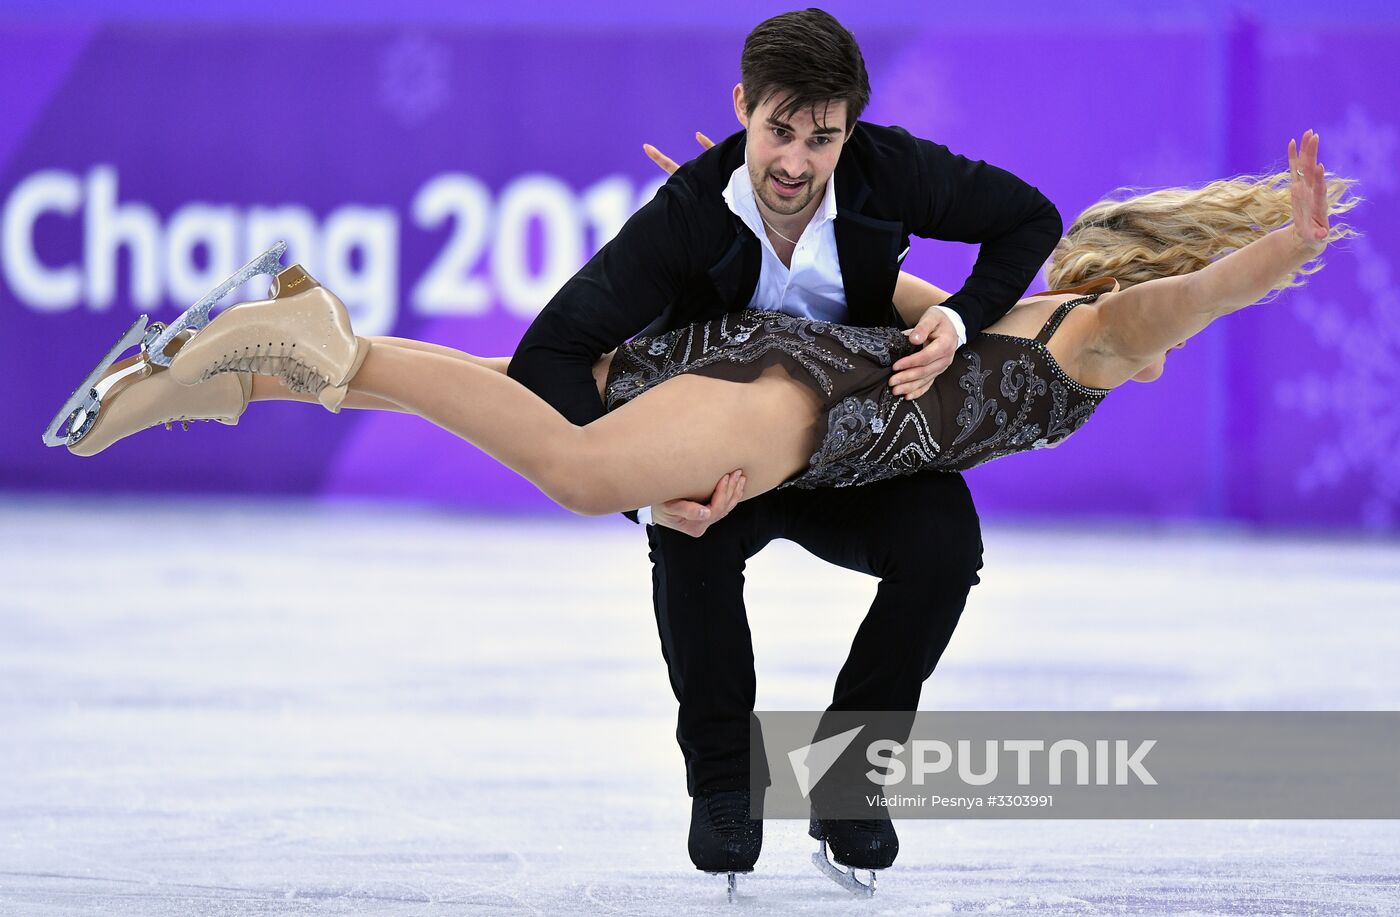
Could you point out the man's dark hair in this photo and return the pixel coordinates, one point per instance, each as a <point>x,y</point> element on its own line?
<point>806,58</point>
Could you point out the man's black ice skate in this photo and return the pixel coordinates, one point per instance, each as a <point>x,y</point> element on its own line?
<point>724,840</point>
<point>865,844</point>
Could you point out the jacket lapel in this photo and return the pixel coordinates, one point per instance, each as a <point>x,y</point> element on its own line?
<point>868,250</point>
<point>735,276</point>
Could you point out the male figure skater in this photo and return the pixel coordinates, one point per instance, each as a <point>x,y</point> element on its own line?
<point>809,212</point>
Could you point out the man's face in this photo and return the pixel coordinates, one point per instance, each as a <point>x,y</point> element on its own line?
<point>790,159</point>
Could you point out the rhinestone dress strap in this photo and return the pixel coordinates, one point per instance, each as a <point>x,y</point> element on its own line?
<point>1053,323</point>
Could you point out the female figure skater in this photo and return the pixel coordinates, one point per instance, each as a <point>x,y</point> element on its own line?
<point>816,407</point>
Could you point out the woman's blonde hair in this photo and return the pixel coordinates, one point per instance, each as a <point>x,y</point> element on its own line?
<point>1180,230</point>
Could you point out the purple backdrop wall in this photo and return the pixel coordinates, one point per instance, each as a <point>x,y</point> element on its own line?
<point>445,173</point>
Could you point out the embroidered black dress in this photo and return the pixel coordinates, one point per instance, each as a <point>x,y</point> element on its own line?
<point>1001,395</point>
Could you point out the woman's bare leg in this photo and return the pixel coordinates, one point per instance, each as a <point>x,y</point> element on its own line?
<point>496,364</point>
<point>270,388</point>
<point>674,441</point>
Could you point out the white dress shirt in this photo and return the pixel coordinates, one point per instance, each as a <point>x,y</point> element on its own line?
<point>810,286</point>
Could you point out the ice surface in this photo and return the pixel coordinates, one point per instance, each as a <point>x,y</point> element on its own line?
<point>213,708</point>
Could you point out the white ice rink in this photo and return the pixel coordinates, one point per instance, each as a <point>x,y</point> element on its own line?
<point>268,708</point>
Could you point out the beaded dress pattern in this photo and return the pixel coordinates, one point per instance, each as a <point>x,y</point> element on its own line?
<point>1001,395</point>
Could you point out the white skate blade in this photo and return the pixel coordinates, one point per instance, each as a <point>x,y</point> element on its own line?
<point>197,315</point>
<point>79,412</point>
<point>843,876</point>
<point>733,884</point>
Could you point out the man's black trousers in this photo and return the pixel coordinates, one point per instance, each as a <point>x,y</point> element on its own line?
<point>918,534</point>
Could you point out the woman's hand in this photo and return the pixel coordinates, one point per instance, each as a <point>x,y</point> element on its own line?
<point>668,164</point>
<point>1308,190</point>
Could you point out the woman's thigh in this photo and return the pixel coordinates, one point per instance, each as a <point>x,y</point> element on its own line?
<point>679,438</point>
<point>496,364</point>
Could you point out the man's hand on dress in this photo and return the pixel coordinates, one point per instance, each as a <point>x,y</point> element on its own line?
<point>694,518</point>
<point>915,373</point>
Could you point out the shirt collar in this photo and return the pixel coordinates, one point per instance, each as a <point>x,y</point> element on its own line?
<point>739,193</point>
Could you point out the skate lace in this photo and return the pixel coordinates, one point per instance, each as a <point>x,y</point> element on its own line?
<point>728,811</point>
<point>273,360</point>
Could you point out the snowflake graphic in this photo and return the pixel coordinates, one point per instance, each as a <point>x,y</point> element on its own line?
<point>917,92</point>
<point>414,78</point>
<point>1359,396</point>
<point>1293,43</point>
<point>1362,148</point>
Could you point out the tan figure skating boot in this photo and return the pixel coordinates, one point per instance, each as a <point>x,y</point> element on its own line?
<point>136,395</point>
<point>301,335</point>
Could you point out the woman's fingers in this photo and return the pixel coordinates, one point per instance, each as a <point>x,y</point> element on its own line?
<point>1316,189</point>
<point>661,159</point>
<point>1320,194</point>
<point>1302,156</point>
<point>668,164</point>
<point>1308,188</point>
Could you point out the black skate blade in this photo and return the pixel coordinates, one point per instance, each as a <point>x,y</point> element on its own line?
<point>84,397</point>
<point>844,876</point>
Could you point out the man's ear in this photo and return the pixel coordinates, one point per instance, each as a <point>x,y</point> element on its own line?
<point>739,111</point>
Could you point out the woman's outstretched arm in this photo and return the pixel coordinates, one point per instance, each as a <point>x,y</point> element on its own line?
<point>1132,329</point>
<point>913,296</point>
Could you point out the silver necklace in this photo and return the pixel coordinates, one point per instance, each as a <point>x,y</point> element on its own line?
<point>792,242</point>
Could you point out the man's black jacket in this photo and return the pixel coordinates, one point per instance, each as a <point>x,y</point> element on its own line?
<point>686,257</point>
